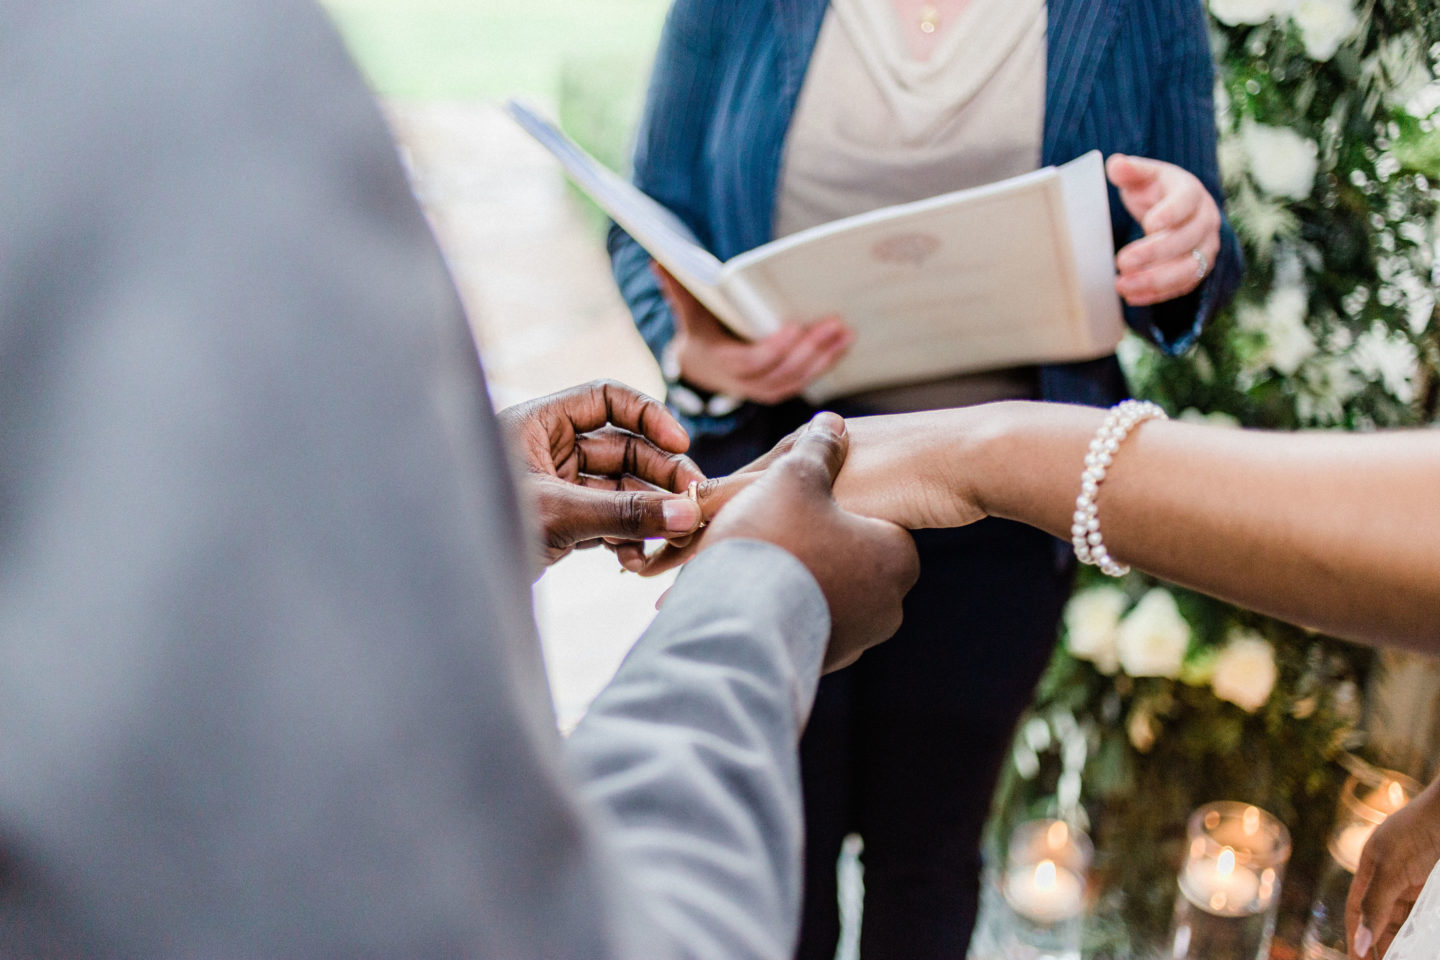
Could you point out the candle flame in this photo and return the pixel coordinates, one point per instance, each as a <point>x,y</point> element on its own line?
<point>1226,864</point>
<point>1250,821</point>
<point>1396,793</point>
<point>1045,875</point>
<point>1058,835</point>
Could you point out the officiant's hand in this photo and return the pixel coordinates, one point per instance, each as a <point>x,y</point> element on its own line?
<point>605,464</point>
<point>1393,869</point>
<point>1179,217</point>
<point>770,371</point>
<point>864,567</point>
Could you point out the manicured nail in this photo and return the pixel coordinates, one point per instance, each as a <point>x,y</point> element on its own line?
<point>681,516</point>
<point>1364,939</point>
<point>829,422</point>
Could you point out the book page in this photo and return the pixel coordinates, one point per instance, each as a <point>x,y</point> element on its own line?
<point>663,235</point>
<point>977,280</point>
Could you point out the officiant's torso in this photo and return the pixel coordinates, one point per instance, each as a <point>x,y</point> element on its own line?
<point>1120,76</point>
<point>875,125</point>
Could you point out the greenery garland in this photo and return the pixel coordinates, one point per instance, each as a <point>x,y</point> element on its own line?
<point>1160,700</point>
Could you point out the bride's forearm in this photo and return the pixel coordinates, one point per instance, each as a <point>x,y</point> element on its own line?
<point>1338,532</point>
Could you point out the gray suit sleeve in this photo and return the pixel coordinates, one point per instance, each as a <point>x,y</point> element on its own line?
<point>709,825</point>
<point>269,682</point>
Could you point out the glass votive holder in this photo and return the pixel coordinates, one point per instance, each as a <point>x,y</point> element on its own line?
<point>1367,799</point>
<point>1044,888</point>
<point>1230,883</point>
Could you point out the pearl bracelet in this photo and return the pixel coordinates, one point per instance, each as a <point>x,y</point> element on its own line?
<point>1085,533</point>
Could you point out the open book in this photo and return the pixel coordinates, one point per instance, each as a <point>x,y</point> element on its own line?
<point>1007,274</point>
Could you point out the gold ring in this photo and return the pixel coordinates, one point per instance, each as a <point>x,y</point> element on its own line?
<point>693,492</point>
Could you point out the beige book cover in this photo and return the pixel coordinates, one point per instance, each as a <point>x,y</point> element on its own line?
<point>1016,272</point>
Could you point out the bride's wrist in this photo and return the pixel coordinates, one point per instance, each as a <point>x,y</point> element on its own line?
<point>1027,460</point>
<point>989,437</point>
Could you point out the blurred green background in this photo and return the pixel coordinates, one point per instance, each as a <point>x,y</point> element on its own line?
<point>489,49</point>
<point>586,60</point>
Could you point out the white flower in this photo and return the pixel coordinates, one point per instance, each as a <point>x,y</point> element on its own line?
<point>1233,157</point>
<point>1245,670</point>
<point>1419,302</point>
<point>1391,360</point>
<point>1425,101</point>
<point>1233,12</point>
<point>1406,72</point>
<point>1091,621</point>
<point>1153,637</point>
<point>1330,383</point>
<point>1282,162</point>
<point>1290,342</point>
<point>1324,25</point>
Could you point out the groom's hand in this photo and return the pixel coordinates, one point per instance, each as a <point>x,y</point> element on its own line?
<point>604,463</point>
<point>865,567</point>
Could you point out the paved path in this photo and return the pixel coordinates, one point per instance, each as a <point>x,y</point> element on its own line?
<point>535,279</point>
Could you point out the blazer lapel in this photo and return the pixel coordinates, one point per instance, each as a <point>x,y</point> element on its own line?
<point>798,24</point>
<point>1078,33</point>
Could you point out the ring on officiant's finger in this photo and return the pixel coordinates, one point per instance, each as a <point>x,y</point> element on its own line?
<point>1202,265</point>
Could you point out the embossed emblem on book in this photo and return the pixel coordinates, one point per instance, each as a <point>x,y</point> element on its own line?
<point>911,248</point>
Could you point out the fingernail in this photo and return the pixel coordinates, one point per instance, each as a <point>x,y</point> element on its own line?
<point>681,516</point>
<point>829,422</point>
<point>1364,939</point>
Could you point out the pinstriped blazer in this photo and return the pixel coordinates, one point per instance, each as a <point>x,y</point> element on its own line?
<point>1127,76</point>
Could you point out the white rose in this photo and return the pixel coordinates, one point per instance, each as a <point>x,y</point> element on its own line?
<point>1391,360</point>
<point>1419,303</point>
<point>1333,379</point>
<point>1324,25</point>
<point>1234,158</point>
<point>1403,60</point>
<point>1153,637</point>
<point>1091,621</point>
<point>1425,101</point>
<point>1282,162</point>
<point>1233,12</point>
<point>1245,670</point>
<point>1290,342</point>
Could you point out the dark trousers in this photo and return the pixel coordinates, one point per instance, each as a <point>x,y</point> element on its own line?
<point>904,747</point>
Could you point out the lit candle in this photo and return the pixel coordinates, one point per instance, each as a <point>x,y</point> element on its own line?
<point>1048,894</point>
<point>1349,842</point>
<point>1230,884</point>
<point>1387,798</point>
<point>1223,887</point>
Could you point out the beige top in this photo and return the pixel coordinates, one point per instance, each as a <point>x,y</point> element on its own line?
<point>874,126</point>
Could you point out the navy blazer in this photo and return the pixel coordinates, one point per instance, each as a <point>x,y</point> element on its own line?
<point>1123,76</point>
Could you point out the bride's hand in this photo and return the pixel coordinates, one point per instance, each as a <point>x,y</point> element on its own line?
<point>1393,869</point>
<point>894,472</point>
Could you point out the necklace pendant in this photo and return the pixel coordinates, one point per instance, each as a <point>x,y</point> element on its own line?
<point>929,19</point>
